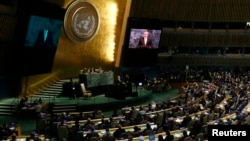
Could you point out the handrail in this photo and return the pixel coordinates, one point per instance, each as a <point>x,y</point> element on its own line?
<point>45,80</point>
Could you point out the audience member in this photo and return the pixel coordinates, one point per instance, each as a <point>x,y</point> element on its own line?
<point>184,135</point>
<point>91,133</point>
<point>33,137</point>
<point>160,138</point>
<point>119,131</point>
<point>108,136</point>
<point>169,136</point>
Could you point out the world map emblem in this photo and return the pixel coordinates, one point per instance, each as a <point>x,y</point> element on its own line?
<point>81,21</point>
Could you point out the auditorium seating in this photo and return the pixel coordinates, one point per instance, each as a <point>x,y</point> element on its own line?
<point>209,90</point>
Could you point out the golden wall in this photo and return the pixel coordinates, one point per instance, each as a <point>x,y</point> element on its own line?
<point>105,48</point>
<point>101,51</point>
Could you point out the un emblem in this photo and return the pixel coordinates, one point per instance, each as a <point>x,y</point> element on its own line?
<point>81,21</point>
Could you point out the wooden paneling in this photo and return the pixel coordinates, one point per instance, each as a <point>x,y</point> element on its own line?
<point>206,60</point>
<point>217,37</point>
<point>7,28</point>
<point>192,10</point>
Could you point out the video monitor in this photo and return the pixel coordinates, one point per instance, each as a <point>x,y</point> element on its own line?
<point>141,42</point>
<point>43,31</point>
<point>144,38</point>
<point>37,36</point>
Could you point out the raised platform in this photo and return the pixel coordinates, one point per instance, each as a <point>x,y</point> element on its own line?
<point>102,102</point>
<point>99,102</point>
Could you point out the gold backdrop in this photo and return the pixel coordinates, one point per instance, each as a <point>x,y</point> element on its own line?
<point>101,51</point>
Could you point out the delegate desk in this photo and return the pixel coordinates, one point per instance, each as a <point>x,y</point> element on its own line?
<point>119,92</point>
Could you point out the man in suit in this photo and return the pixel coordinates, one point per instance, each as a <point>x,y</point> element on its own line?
<point>33,137</point>
<point>118,132</point>
<point>108,136</point>
<point>45,38</point>
<point>145,41</point>
<point>119,81</point>
<point>72,89</point>
<point>91,133</point>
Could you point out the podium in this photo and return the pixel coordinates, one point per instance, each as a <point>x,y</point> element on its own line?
<point>119,92</point>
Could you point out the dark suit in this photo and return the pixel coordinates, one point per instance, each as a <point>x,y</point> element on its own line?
<point>44,39</point>
<point>108,137</point>
<point>33,137</point>
<point>91,134</point>
<point>118,82</point>
<point>145,44</point>
<point>118,132</point>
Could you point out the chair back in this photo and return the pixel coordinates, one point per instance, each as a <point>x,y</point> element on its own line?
<point>79,136</point>
<point>62,132</point>
<point>147,132</point>
<point>86,93</point>
<point>188,138</point>
<point>83,88</point>
<point>134,114</point>
<point>94,139</point>
<point>41,126</point>
<point>199,137</point>
<point>159,119</point>
<point>53,129</point>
